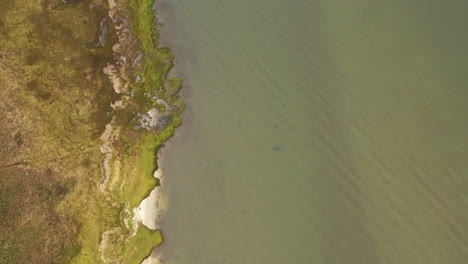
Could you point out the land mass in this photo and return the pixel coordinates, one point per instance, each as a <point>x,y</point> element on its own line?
<point>84,106</point>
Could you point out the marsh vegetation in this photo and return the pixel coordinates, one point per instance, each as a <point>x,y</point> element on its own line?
<point>55,103</point>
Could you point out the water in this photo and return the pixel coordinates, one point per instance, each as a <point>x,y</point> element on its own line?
<point>318,131</point>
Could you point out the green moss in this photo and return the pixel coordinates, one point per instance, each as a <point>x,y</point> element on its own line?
<point>143,19</point>
<point>140,180</point>
<point>138,154</point>
<point>144,241</point>
<point>156,61</point>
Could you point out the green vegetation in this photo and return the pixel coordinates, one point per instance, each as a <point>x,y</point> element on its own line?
<point>140,179</point>
<point>156,61</point>
<point>55,104</point>
<point>29,222</point>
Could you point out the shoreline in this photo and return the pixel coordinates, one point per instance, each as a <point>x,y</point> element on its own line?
<point>163,22</point>
<point>88,100</point>
<point>145,214</point>
<point>153,206</point>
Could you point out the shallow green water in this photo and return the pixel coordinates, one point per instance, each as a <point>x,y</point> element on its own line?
<point>318,131</point>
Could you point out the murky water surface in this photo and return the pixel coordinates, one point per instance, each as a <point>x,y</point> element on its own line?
<point>318,131</point>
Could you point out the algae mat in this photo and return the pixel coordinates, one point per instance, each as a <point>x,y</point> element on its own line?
<point>320,131</point>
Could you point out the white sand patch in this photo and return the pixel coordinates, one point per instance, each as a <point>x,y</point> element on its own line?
<point>151,260</point>
<point>152,207</point>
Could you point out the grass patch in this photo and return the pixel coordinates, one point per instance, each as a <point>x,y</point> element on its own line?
<point>141,165</point>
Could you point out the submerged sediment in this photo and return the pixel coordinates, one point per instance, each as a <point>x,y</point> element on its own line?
<point>77,77</point>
